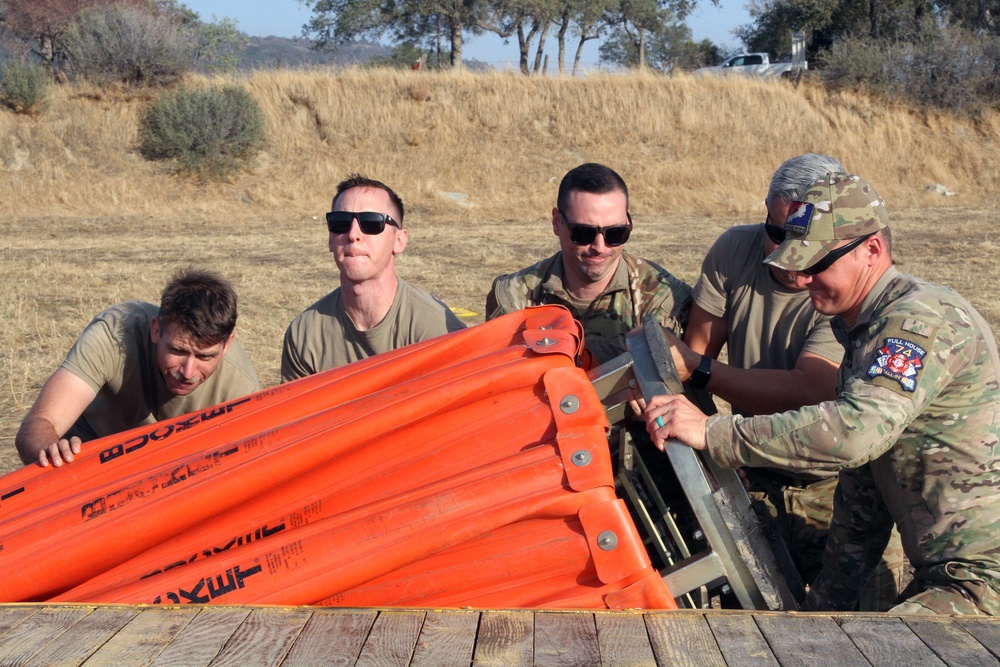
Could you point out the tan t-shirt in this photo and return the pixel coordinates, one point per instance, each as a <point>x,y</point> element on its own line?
<point>324,337</point>
<point>115,356</point>
<point>769,325</point>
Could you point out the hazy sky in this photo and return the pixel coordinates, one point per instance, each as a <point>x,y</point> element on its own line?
<point>284,18</point>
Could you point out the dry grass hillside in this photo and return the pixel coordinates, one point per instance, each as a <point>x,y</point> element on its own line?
<point>86,222</point>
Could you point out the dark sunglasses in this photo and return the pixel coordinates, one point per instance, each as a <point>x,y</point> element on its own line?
<point>339,222</point>
<point>776,234</point>
<point>586,234</point>
<point>831,257</point>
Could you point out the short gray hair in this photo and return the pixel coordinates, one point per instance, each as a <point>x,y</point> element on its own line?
<point>797,173</point>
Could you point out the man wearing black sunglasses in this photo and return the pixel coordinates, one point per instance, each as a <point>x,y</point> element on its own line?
<point>781,355</point>
<point>914,431</point>
<point>608,290</point>
<point>373,310</point>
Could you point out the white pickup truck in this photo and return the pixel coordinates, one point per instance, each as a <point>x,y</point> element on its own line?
<point>755,64</point>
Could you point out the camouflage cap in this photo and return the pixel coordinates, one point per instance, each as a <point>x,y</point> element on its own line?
<point>836,207</point>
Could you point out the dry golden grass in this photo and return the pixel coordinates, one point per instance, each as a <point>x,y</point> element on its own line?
<point>85,222</point>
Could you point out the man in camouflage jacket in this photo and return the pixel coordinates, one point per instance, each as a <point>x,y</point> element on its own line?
<point>915,430</point>
<point>608,290</point>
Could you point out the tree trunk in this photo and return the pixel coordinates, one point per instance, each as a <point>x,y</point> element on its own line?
<point>579,54</point>
<point>561,38</point>
<point>524,45</point>
<point>642,48</point>
<point>541,47</point>
<point>456,44</point>
<point>873,18</point>
<point>437,23</point>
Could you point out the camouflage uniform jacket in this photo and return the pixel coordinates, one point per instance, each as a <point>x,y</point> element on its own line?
<point>638,287</point>
<point>915,432</point>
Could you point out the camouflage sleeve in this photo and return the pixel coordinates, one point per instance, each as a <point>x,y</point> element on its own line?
<point>493,307</point>
<point>859,426</point>
<point>893,380</point>
<point>859,533</point>
<point>673,312</point>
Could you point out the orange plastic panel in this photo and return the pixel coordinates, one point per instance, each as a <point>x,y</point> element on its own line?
<point>452,472</point>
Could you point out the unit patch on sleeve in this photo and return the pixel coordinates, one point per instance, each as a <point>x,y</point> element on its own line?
<point>900,360</point>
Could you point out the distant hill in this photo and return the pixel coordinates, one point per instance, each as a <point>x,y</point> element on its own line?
<point>283,52</point>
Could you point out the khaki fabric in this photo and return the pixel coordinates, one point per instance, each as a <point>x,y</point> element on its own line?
<point>324,337</point>
<point>115,356</point>
<point>637,288</point>
<point>915,435</point>
<point>769,325</point>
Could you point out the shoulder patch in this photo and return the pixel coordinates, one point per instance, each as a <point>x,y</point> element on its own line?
<point>900,360</point>
<point>911,325</point>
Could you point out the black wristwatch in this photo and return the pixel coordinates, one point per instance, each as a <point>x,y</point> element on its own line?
<point>702,374</point>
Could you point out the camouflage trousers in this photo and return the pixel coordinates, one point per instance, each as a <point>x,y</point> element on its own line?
<point>802,514</point>
<point>949,589</point>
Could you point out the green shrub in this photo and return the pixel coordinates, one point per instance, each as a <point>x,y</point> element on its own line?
<point>129,44</point>
<point>209,132</point>
<point>944,67</point>
<point>24,87</point>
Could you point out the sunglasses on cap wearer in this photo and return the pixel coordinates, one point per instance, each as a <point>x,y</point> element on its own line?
<point>615,235</point>
<point>832,256</point>
<point>339,222</point>
<point>774,232</point>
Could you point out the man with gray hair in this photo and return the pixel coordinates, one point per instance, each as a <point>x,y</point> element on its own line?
<point>782,355</point>
<point>914,432</point>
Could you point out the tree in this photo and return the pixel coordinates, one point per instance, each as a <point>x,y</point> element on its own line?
<point>636,21</point>
<point>668,49</point>
<point>587,19</point>
<point>974,14</point>
<point>43,23</point>
<point>826,21</point>
<point>337,22</point>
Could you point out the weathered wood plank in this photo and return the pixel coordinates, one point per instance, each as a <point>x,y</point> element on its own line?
<point>203,638</point>
<point>143,638</point>
<point>263,638</point>
<point>392,638</point>
<point>33,634</point>
<point>808,639</point>
<point>623,640</point>
<point>682,638</point>
<point>85,637</point>
<point>565,640</point>
<point>889,642</point>
<point>12,616</point>
<point>506,638</point>
<point>952,643</point>
<point>985,630</point>
<point>447,639</point>
<point>331,637</point>
<point>740,640</point>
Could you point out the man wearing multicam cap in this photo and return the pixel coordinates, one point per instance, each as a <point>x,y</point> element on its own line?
<point>781,355</point>
<point>608,290</point>
<point>915,430</point>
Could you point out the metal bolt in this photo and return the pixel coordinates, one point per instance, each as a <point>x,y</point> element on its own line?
<point>569,404</point>
<point>581,457</point>
<point>698,535</point>
<point>546,342</point>
<point>607,540</point>
<point>726,590</point>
